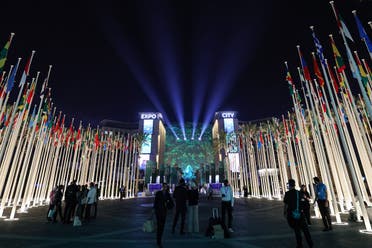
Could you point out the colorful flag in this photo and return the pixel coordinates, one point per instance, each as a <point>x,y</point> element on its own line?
<point>345,29</point>
<point>26,71</point>
<point>304,66</point>
<point>289,79</point>
<point>338,59</point>
<point>317,72</point>
<point>363,74</point>
<point>4,53</point>
<point>363,35</point>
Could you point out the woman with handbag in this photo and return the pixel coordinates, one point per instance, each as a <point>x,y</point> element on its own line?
<point>162,203</point>
<point>293,212</point>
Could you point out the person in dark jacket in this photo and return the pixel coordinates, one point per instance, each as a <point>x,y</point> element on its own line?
<point>162,199</point>
<point>180,194</point>
<point>292,201</point>
<point>58,203</point>
<point>306,201</point>
<point>70,201</point>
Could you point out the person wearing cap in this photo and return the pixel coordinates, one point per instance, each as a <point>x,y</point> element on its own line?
<point>227,204</point>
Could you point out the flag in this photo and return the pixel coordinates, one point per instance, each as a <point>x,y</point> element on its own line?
<point>26,71</point>
<point>334,81</point>
<point>32,119</point>
<point>289,79</point>
<point>362,34</point>
<point>363,74</point>
<point>345,29</point>
<point>319,48</point>
<point>338,59</point>
<point>96,140</point>
<point>317,72</point>
<point>304,66</point>
<point>11,78</point>
<point>4,53</point>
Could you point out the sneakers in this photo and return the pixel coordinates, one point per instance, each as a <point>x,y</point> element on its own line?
<point>231,230</point>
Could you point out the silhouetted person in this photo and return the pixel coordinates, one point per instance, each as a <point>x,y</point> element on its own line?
<point>292,199</point>
<point>180,194</point>
<point>121,191</point>
<point>70,201</point>
<point>306,201</point>
<point>160,208</point>
<point>95,204</point>
<point>321,197</point>
<point>58,203</point>
<point>245,190</point>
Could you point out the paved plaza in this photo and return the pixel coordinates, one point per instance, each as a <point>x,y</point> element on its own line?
<point>257,223</point>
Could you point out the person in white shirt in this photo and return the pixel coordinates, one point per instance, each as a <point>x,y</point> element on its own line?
<point>91,199</point>
<point>227,204</point>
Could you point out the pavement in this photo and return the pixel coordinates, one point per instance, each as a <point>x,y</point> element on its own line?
<point>257,223</point>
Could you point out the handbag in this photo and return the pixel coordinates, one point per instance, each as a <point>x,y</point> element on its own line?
<point>149,226</point>
<point>51,213</point>
<point>296,214</point>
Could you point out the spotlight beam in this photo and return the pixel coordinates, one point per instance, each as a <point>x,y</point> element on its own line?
<point>128,56</point>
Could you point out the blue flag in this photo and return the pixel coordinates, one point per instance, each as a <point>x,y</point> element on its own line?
<point>363,35</point>
<point>319,49</point>
<point>11,79</point>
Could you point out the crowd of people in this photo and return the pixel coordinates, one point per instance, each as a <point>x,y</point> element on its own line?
<point>80,203</point>
<point>186,197</point>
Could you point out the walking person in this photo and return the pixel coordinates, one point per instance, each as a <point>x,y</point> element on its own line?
<point>292,202</point>
<point>193,209</point>
<point>227,204</point>
<point>121,191</point>
<point>70,202</point>
<point>306,200</point>
<point>91,198</point>
<point>161,203</point>
<point>51,209</point>
<point>180,194</point>
<point>58,204</point>
<point>321,197</point>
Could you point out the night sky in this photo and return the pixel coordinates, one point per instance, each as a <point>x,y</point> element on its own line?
<point>113,59</point>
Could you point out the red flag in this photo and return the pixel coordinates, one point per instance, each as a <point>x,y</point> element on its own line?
<point>318,73</point>
<point>335,85</point>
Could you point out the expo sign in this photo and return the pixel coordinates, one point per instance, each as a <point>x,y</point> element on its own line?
<point>149,116</point>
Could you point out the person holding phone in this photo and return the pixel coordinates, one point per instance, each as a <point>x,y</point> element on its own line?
<point>227,204</point>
